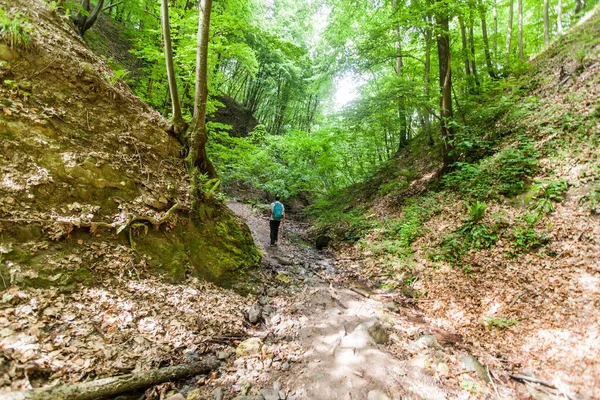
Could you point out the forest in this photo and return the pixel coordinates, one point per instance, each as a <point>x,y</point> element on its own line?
<point>438,163</point>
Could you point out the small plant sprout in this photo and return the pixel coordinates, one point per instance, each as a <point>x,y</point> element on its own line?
<point>499,322</point>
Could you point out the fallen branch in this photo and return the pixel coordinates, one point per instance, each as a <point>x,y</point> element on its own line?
<point>358,291</point>
<point>115,385</point>
<point>525,378</point>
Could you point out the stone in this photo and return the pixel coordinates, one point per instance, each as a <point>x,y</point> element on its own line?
<point>244,387</point>
<point>443,369</point>
<point>421,361</point>
<point>218,393</point>
<point>249,347</point>
<point>285,366</point>
<point>367,333</point>
<point>277,385</point>
<point>7,54</point>
<point>196,395</point>
<point>270,394</point>
<point>222,355</point>
<point>177,396</point>
<point>248,398</point>
<point>254,313</point>
<point>377,395</point>
<point>391,306</point>
<point>426,342</point>
<point>472,364</point>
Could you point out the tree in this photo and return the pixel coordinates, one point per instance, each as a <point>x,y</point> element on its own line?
<point>197,160</point>
<point>509,30</point>
<point>559,18</point>
<point>520,33</point>
<point>486,43</point>
<point>546,23</point>
<point>178,122</point>
<point>445,79</point>
<point>86,17</point>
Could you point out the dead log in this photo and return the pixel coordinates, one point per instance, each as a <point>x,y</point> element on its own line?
<point>116,385</point>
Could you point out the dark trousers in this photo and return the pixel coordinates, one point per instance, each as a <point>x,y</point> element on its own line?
<point>274,231</point>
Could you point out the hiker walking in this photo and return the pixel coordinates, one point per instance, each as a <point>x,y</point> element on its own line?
<point>277,217</point>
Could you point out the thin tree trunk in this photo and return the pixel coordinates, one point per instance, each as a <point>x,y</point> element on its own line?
<point>197,159</point>
<point>546,23</point>
<point>520,34</point>
<point>445,78</point>
<point>509,31</point>
<point>178,123</point>
<point>472,43</point>
<point>465,51</point>
<point>579,6</point>
<point>403,139</point>
<point>426,79</point>
<point>495,31</point>
<point>559,18</point>
<point>486,43</point>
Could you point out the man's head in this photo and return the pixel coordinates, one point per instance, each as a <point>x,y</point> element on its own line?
<point>276,197</point>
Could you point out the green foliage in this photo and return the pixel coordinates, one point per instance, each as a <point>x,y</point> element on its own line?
<point>409,227</point>
<point>16,30</point>
<point>548,192</point>
<point>592,200</point>
<point>475,233</point>
<point>506,173</point>
<point>499,322</point>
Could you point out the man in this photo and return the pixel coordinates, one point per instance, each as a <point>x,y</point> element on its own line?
<point>277,217</point>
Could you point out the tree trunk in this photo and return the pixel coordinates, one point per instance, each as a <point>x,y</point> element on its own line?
<point>197,160</point>
<point>403,138</point>
<point>486,43</point>
<point>178,123</point>
<point>472,43</point>
<point>116,385</point>
<point>86,19</point>
<point>559,18</point>
<point>579,6</point>
<point>465,51</point>
<point>426,79</point>
<point>509,31</point>
<point>546,23</point>
<point>445,78</point>
<point>495,31</point>
<point>520,34</point>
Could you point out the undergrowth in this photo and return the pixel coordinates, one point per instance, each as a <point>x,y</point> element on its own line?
<point>15,30</point>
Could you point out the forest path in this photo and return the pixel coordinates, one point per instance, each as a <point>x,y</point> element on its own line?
<point>335,335</point>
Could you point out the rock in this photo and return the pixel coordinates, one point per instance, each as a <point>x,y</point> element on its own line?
<point>376,330</point>
<point>6,54</point>
<point>177,396</point>
<point>244,387</point>
<point>285,366</point>
<point>248,398</point>
<point>421,361</point>
<point>283,260</point>
<point>391,306</point>
<point>322,242</point>
<point>366,334</point>
<point>218,393</point>
<point>277,385</point>
<point>223,355</point>
<point>254,313</point>
<point>249,347</point>
<point>196,395</point>
<point>160,204</point>
<point>426,342</point>
<point>377,395</point>
<point>443,369</point>
<point>270,394</point>
<point>472,364</point>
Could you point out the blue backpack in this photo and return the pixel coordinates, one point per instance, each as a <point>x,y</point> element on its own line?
<point>277,210</point>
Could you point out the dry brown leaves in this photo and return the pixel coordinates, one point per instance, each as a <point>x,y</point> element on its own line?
<point>58,336</point>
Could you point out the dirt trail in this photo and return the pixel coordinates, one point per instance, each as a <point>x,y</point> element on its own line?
<point>341,334</point>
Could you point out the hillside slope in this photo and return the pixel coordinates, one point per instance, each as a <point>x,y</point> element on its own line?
<point>503,251</point>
